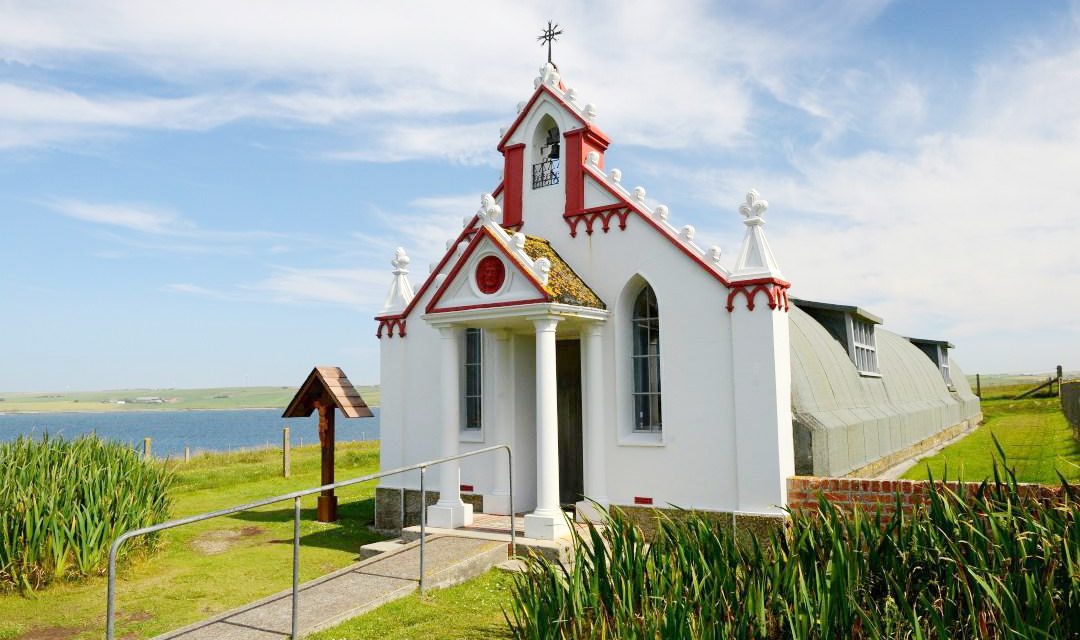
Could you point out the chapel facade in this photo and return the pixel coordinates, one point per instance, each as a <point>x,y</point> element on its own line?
<point>624,363</point>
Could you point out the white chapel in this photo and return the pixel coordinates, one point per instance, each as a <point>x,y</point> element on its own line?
<point>624,363</point>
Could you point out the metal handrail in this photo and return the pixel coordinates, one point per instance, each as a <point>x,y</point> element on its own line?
<point>295,497</point>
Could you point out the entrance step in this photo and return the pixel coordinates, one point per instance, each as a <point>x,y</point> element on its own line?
<point>349,592</point>
<point>561,550</point>
<point>373,549</point>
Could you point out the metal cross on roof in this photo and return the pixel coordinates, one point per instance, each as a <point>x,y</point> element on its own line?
<point>550,34</point>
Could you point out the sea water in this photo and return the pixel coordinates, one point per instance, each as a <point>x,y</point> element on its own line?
<point>171,431</point>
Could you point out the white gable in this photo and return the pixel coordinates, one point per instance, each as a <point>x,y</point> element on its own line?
<point>465,290</point>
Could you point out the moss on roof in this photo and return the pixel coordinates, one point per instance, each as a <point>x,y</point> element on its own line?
<point>563,284</point>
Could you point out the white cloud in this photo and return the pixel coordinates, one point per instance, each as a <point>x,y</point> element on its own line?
<point>350,287</point>
<point>129,216</point>
<point>671,75</point>
<point>969,234</point>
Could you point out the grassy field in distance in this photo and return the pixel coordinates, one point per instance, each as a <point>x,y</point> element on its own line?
<point>172,399</point>
<point>1037,440</point>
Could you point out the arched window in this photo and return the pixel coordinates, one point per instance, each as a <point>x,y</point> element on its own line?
<point>546,144</point>
<point>646,357</point>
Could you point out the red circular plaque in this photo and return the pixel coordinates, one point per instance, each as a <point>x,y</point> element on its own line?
<point>490,274</point>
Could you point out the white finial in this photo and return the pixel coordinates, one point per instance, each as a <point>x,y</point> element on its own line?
<point>616,176</point>
<point>400,261</point>
<point>489,209</point>
<point>449,243</point>
<point>754,208</point>
<point>502,132</point>
<point>431,267</point>
<point>590,112</point>
<point>543,268</point>
<point>520,106</point>
<point>662,212</point>
<point>537,81</point>
<point>688,232</point>
<point>714,253</point>
<point>465,221</point>
<point>549,75</point>
<point>401,293</point>
<point>571,95</point>
<point>592,159</point>
<point>519,240</point>
<point>639,194</point>
<point>756,258</point>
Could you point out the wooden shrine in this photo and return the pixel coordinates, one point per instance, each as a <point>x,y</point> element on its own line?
<point>325,390</point>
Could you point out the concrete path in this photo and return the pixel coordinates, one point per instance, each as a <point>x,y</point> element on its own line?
<point>334,598</point>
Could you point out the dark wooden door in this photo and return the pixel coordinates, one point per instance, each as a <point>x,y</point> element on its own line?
<point>571,462</point>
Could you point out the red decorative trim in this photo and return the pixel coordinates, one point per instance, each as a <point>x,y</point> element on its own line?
<point>642,500</point>
<point>497,191</point>
<point>466,488</point>
<point>543,88</point>
<point>494,305</point>
<point>483,232</point>
<point>775,290</point>
<point>649,219</point>
<point>388,323</point>
<point>604,213</point>
<point>513,174</point>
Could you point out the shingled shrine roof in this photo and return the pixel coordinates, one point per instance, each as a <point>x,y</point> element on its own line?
<point>327,383</point>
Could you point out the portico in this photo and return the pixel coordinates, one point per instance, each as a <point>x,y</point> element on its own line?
<point>544,323</point>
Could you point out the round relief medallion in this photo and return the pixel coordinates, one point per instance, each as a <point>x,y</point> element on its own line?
<point>490,274</point>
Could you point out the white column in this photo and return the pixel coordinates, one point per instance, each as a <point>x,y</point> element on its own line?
<point>548,521</point>
<point>450,512</point>
<point>501,425</point>
<point>592,364</point>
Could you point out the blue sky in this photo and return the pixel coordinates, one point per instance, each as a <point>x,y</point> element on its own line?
<point>204,193</point>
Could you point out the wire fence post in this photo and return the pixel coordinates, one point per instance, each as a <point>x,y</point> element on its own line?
<point>423,524</point>
<point>286,461</point>
<point>296,570</point>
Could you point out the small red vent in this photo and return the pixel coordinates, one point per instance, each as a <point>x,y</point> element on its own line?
<point>642,500</point>
<point>467,488</point>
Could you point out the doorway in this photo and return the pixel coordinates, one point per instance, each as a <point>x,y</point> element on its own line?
<point>568,391</point>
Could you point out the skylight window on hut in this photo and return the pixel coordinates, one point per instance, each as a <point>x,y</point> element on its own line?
<point>852,327</point>
<point>938,352</point>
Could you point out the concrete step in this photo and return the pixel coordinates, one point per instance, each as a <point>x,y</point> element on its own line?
<point>560,550</point>
<point>373,549</point>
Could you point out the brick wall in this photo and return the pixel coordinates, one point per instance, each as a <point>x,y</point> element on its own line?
<point>869,494</point>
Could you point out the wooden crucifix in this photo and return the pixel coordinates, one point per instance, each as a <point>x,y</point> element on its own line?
<point>327,390</point>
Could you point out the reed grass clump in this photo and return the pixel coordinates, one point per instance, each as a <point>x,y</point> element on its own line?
<point>62,502</point>
<point>998,564</point>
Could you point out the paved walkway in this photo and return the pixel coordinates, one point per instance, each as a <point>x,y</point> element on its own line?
<point>331,599</point>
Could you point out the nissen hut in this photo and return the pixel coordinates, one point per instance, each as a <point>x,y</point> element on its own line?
<point>626,364</point>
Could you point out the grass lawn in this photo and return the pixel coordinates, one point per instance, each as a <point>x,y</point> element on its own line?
<point>214,566</point>
<point>470,610</point>
<point>1033,432</point>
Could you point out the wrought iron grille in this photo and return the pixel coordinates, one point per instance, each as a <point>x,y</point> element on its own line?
<point>545,173</point>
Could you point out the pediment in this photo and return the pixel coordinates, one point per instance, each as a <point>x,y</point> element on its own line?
<point>486,275</point>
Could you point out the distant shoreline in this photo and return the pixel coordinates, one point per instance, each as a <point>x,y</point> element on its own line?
<point>118,401</point>
<point>141,409</point>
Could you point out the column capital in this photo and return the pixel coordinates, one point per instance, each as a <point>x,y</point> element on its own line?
<point>502,335</point>
<point>545,324</point>
<point>593,329</point>
<point>449,331</point>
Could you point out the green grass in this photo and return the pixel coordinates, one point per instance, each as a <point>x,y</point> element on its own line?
<point>1033,432</point>
<point>175,399</point>
<point>471,610</point>
<point>214,566</point>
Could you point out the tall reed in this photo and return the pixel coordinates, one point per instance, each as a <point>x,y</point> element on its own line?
<point>62,502</point>
<point>998,564</point>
